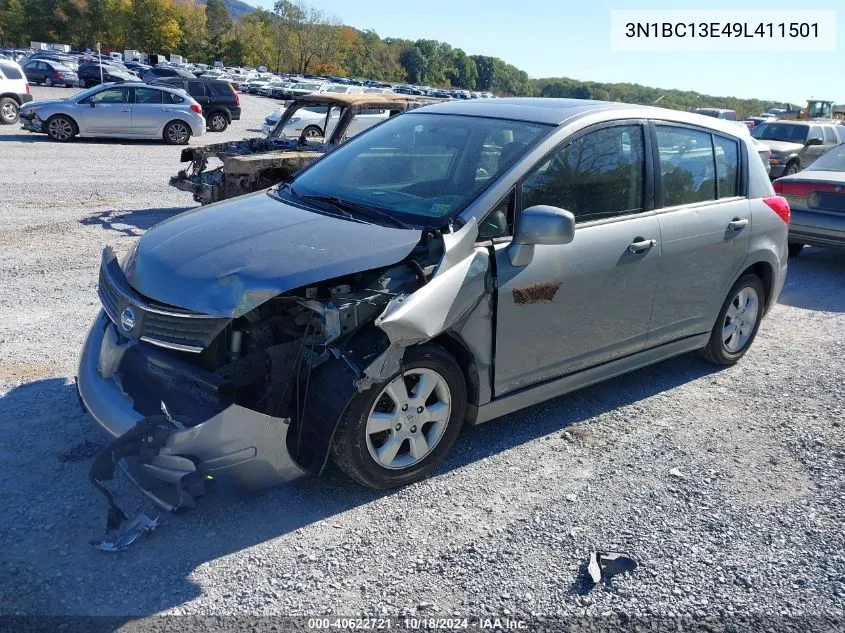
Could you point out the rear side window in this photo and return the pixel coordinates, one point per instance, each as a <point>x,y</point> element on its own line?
<point>10,71</point>
<point>829,135</point>
<point>598,175</point>
<point>172,97</point>
<point>196,89</point>
<point>148,96</point>
<point>687,165</point>
<point>220,88</point>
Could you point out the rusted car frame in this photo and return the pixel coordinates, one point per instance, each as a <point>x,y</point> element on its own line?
<point>257,163</point>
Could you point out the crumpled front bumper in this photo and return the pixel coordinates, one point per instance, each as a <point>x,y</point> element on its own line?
<point>31,122</point>
<point>236,444</point>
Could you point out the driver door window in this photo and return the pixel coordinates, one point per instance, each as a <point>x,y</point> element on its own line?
<point>598,175</point>
<point>111,95</point>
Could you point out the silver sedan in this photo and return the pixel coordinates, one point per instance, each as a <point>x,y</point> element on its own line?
<point>130,110</point>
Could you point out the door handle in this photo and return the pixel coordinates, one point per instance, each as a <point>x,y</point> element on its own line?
<point>737,225</point>
<point>126,110</point>
<point>639,245</point>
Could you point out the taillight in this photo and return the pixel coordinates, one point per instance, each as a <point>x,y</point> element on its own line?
<point>196,108</point>
<point>237,97</point>
<point>779,205</point>
<point>27,87</point>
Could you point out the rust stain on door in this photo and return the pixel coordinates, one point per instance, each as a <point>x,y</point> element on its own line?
<point>536,293</point>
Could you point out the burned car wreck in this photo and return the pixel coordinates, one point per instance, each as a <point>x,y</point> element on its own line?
<point>258,163</point>
<point>421,276</point>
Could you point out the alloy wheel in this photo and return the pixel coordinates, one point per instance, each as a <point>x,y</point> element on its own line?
<point>60,129</point>
<point>218,122</point>
<point>177,133</point>
<point>9,111</point>
<point>408,419</point>
<point>740,319</point>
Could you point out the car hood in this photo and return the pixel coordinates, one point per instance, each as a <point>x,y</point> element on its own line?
<point>227,258</point>
<point>782,146</point>
<point>35,105</point>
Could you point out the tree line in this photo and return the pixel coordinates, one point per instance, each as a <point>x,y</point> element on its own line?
<point>299,38</point>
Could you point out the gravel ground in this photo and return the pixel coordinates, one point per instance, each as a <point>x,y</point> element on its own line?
<point>726,486</point>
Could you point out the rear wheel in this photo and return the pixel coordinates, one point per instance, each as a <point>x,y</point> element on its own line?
<point>398,431</point>
<point>61,128</point>
<point>738,322</point>
<point>217,122</point>
<point>177,133</point>
<point>82,83</point>
<point>795,249</point>
<point>8,110</point>
<point>48,82</point>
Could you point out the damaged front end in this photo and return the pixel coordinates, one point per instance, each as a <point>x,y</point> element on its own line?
<point>245,166</point>
<point>30,121</point>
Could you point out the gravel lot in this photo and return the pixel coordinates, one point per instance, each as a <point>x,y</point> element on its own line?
<point>726,486</point>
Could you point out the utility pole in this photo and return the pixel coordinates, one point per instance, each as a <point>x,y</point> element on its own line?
<point>100,61</point>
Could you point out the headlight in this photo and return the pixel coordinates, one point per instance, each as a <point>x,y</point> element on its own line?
<point>775,154</point>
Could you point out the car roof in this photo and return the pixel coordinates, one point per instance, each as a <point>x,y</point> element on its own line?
<point>552,111</point>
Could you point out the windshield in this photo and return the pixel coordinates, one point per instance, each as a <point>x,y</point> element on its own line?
<point>833,160</point>
<point>421,168</point>
<point>338,89</point>
<point>787,132</point>
<point>306,87</point>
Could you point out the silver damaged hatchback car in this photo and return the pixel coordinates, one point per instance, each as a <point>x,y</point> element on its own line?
<point>450,265</point>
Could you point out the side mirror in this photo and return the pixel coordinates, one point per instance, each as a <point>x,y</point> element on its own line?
<point>814,141</point>
<point>91,103</point>
<point>540,224</point>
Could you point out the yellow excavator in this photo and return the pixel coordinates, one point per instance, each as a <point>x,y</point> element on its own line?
<point>815,109</point>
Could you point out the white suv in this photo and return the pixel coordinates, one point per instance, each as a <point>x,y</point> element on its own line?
<point>14,91</point>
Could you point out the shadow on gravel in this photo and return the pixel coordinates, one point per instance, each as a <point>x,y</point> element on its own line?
<point>132,223</point>
<point>22,138</point>
<point>816,280</point>
<point>62,573</point>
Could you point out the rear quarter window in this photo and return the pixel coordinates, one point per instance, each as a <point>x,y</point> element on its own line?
<point>220,88</point>
<point>10,72</point>
<point>172,97</point>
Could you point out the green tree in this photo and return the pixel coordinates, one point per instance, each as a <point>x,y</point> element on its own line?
<point>463,71</point>
<point>154,26</point>
<point>14,29</point>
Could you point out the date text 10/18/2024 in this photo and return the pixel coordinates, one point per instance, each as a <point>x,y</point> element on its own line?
<point>419,624</point>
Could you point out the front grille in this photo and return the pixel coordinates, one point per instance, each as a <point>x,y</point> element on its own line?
<point>160,325</point>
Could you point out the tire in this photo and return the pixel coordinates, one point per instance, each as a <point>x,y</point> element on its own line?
<point>83,83</point>
<point>312,131</point>
<point>360,439</point>
<point>792,168</point>
<point>177,133</point>
<point>9,110</point>
<point>217,122</point>
<point>795,249</point>
<point>61,128</point>
<point>747,293</point>
<point>48,82</point>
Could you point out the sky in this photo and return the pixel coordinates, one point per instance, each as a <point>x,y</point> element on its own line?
<point>555,38</point>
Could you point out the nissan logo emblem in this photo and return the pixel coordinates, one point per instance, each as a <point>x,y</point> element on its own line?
<point>127,319</point>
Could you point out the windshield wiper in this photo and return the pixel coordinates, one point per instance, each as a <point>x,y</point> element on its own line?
<point>344,206</point>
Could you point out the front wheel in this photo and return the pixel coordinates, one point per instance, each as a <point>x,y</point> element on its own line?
<point>791,168</point>
<point>738,322</point>
<point>400,430</point>
<point>61,128</point>
<point>312,131</point>
<point>177,133</point>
